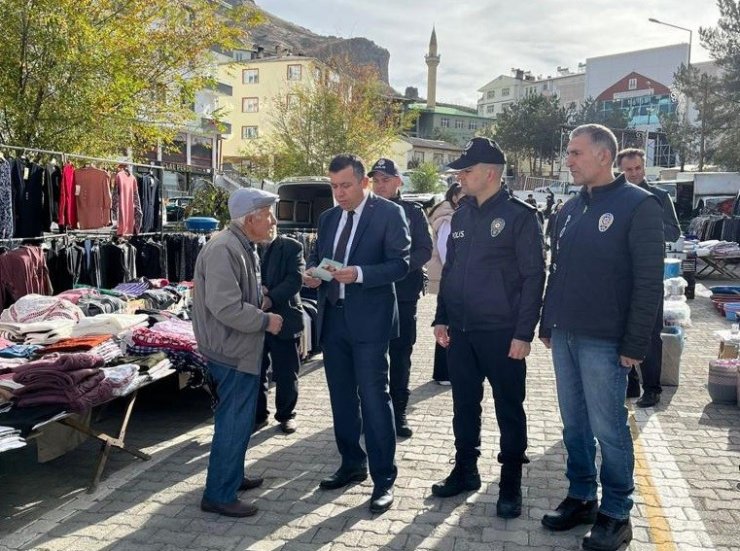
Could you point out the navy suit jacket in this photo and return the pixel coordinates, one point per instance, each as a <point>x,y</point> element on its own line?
<point>380,247</point>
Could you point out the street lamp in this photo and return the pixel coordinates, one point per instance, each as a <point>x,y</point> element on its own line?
<point>691,35</point>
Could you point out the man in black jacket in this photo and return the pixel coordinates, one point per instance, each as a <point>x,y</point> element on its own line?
<point>602,298</point>
<point>282,276</point>
<point>487,308</point>
<point>387,183</point>
<point>631,163</point>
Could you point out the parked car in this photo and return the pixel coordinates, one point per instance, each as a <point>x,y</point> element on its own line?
<point>176,207</point>
<point>302,200</point>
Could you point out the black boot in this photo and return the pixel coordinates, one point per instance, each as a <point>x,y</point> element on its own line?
<point>463,478</point>
<point>402,426</point>
<point>570,513</point>
<point>608,534</point>
<point>509,504</point>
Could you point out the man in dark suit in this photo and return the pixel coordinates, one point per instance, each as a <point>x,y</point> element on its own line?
<point>387,183</point>
<point>369,237</point>
<point>282,271</point>
<point>632,163</point>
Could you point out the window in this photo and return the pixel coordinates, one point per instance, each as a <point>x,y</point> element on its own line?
<point>295,72</point>
<point>250,105</point>
<point>438,158</point>
<point>490,109</point>
<point>249,132</point>
<point>251,76</point>
<point>472,125</point>
<point>417,156</point>
<point>459,123</point>
<point>444,122</point>
<point>505,91</point>
<point>632,84</point>
<point>491,94</point>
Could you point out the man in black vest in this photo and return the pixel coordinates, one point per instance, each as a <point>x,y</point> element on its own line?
<point>387,183</point>
<point>631,163</point>
<point>605,285</point>
<point>282,277</point>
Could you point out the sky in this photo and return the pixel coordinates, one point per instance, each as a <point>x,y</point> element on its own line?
<point>478,41</point>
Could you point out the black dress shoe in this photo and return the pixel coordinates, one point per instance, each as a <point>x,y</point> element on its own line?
<point>235,509</point>
<point>570,513</point>
<point>381,501</point>
<point>608,534</point>
<point>343,478</point>
<point>509,505</point>
<point>250,483</point>
<point>648,400</point>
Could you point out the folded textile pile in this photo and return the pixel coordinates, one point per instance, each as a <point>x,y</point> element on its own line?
<point>110,350</point>
<point>74,381</point>
<point>36,308</point>
<point>179,345</point>
<point>158,338</point>
<point>122,378</point>
<point>40,332</point>
<point>108,324</point>
<point>133,289</point>
<point>10,439</point>
<point>76,344</point>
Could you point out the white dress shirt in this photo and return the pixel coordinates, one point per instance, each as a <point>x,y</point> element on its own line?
<point>340,227</point>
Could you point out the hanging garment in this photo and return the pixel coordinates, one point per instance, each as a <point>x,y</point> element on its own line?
<point>67,198</point>
<point>54,178</point>
<point>32,199</point>
<point>92,188</point>
<point>7,225</point>
<point>150,191</point>
<point>126,204</point>
<point>23,271</point>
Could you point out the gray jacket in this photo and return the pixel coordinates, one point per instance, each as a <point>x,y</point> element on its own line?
<point>228,323</point>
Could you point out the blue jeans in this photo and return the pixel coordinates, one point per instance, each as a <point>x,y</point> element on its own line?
<point>591,387</point>
<point>233,424</point>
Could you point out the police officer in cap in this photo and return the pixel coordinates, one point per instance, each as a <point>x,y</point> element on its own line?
<point>487,308</point>
<point>387,183</point>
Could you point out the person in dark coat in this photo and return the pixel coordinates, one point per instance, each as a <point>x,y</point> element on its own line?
<point>603,293</point>
<point>487,310</point>
<point>387,184</point>
<point>282,277</point>
<point>632,164</point>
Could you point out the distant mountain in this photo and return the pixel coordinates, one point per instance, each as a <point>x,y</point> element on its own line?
<point>285,35</point>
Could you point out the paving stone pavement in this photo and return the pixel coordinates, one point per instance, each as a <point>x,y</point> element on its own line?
<point>687,475</point>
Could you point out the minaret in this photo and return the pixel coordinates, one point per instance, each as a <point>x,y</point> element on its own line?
<point>432,59</point>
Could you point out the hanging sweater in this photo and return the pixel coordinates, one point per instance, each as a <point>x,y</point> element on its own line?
<point>127,204</point>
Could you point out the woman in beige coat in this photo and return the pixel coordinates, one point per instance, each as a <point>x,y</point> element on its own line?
<point>440,219</point>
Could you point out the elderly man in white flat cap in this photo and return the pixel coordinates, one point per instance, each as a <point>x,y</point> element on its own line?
<point>230,328</point>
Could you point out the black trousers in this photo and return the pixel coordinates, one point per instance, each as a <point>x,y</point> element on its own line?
<point>473,357</point>
<point>651,367</point>
<point>400,350</point>
<point>285,359</point>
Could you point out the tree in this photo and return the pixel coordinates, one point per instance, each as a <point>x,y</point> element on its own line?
<point>313,123</point>
<point>101,75</point>
<point>425,179</point>
<point>530,129</point>
<point>211,201</point>
<point>723,43</point>
<point>590,112</point>
<point>680,134</point>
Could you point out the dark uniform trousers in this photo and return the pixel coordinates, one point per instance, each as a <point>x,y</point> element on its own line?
<point>286,361</point>
<point>651,366</point>
<point>400,350</point>
<point>472,357</point>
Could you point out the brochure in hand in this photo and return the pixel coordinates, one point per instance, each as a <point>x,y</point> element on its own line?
<point>322,272</point>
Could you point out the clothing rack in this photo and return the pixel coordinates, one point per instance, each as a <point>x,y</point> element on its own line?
<point>64,156</point>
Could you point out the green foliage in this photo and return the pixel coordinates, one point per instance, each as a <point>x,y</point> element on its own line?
<point>589,112</point>
<point>315,122</point>
<point>530,129</point>
<point>718,100</point>
<point>425,179</point>
<point>211,201</point>
<point>680,134</point>
<point>101,75</point>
